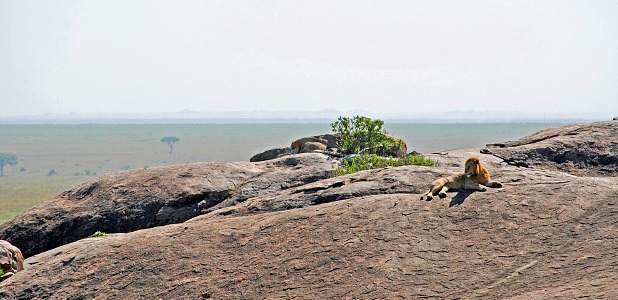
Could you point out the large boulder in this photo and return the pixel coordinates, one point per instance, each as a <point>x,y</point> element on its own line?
<point>362,236</point>
<point>312,146</point>
<point>326,143</point>
<point>271,154</point>
<point>318,143</point>
<point>137,199</point>
<point>581,149</point>
<point>329,141</point>
<point>11,260</point>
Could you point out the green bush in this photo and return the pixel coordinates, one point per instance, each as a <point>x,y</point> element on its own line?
<point>363,135</point>
<point>98,234</point>
<point>1,272</point>
<point>373,161</point>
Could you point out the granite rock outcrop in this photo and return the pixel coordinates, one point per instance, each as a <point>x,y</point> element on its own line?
<point>580,149</point>
<point>278,234</point>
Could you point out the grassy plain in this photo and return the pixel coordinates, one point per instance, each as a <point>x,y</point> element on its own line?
<point>78,153</point>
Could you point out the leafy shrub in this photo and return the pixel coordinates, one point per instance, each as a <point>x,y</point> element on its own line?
<point>1,272</point>
<point>52,172</point>
<point>98,234</point>
<point>363,135</point>
<point>373,161</point>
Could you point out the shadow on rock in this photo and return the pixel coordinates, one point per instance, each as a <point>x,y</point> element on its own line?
<point>460,197</point>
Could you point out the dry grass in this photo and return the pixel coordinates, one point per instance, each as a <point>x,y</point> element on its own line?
<point>74,151</point>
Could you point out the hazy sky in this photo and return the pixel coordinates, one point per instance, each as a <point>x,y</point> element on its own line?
<point>378,56</point>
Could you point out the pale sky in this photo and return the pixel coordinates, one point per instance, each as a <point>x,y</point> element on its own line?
<point>378,56</point>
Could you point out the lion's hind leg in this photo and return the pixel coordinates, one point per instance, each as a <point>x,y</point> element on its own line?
<point>443,191</point>
<point>434,189</point>
<point>426,195</point>
<point>429,194</point>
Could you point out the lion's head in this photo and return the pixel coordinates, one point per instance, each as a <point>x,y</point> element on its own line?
<point>472,166</point>
<point>475,171</point>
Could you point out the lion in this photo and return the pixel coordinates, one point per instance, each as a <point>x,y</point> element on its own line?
<point>475,177</point>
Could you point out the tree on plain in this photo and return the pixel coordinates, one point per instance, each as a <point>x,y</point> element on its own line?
<point>170,140</point>
<point>7,159</point>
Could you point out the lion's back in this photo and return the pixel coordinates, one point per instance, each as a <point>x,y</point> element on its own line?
<point>457,181</point>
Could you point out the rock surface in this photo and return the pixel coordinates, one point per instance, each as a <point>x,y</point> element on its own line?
<point>271,154</point>
<point>581,149</point>
<point>11,260</point>
<point>544,234</point>
<point>132,200</point>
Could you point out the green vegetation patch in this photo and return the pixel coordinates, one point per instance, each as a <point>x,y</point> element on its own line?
<point>373,161</point>
<point>98,234</point>
<point>363,135</point>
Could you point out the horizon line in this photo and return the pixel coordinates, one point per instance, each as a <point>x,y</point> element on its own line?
<point>312,114</point>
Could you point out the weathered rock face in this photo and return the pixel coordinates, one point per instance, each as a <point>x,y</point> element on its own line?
<point>11,260</point>
<point>132,200</point>
<point>544,234</point>
<point>588,149</point>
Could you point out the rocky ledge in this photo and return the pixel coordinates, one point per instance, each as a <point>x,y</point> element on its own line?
<point>581,149</point>
<point>276,233</point>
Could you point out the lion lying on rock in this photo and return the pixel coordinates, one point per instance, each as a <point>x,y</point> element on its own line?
<point>475,177</point>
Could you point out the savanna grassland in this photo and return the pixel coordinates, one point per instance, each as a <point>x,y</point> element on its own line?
<point>54,158</point>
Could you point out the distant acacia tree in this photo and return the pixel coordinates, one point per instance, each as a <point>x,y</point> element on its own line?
<point>7,159</point>
<point>170,140</point>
